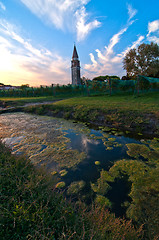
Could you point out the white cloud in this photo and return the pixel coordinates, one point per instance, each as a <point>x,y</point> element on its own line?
<point>153,32</point>
<point>107,61</point>
<point>21,62</point>
<point>84,28</point>
<point>154,39</point>
<point>114,40</point>
<point>131,12</point>
<point>134,45</point>
<point>110,64</point>
<point>64,14</point>
<point>2,6</point>
<point>153,27</point>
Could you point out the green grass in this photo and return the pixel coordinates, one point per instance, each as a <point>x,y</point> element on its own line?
<point>145,102</point>
<point>16,101</point>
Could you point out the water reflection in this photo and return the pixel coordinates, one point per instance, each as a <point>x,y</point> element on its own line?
<point>47,140</point>
<point>63,145</point>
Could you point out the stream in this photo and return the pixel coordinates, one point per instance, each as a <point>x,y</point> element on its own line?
<point>68,150</point>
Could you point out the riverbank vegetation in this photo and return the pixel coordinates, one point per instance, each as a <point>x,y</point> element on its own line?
<point>18,101</point>
<point>31,208</point>
<point>137,114</point>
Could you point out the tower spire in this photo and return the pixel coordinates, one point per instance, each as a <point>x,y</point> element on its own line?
<point>75,54</point>
<point>75,68</point>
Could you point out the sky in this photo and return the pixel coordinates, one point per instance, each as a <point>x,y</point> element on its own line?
<point>37,37</point>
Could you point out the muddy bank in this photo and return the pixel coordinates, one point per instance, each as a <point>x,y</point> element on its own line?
<point>137,122</point>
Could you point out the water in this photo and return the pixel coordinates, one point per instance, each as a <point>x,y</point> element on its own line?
<point>59,144</point>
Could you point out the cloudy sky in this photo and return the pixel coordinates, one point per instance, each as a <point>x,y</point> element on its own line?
<point>37,37</point>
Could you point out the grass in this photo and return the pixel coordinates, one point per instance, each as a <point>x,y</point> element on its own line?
<point>17,101</point>
<point>145,102</point>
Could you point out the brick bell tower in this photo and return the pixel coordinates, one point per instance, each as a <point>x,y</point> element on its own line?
<point>75,68</point>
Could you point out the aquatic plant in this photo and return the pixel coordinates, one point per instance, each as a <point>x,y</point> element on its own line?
<point>102,186</point>
<point>75,187</point>
<point>109,148</point>
<point>154,144</point>
<point>60,185</point>
<point>111,139</point>
<point>137,150</point>
<point>106,129</point>
<point>144,192</point>
<point>103,201</point>
<point>97,163</point>
<point>53,173</point>
<point>41,139</point>
<point>63,172</point>
<point>141,150</point>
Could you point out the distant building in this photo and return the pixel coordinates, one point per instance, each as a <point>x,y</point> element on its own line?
<point>75,68</point>
<point>7,87</point>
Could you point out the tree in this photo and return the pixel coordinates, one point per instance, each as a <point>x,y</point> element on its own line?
<point>126,77</point>
<point>103,78</point>
<point>144,60</point>
<point>84,80</point>
<point>24,86</point>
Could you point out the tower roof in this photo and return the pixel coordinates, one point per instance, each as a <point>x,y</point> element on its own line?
<point>75,54</point>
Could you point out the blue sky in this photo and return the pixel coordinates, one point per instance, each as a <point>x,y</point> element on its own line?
<point>37,37</point>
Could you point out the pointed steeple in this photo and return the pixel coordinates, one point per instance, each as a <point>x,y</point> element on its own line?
<point>75,54</point>
<point>75,68</point>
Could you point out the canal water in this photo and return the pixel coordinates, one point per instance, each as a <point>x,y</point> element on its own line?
<point>61,145</point>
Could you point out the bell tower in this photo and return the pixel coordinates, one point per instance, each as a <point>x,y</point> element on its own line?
<point>75,68</point>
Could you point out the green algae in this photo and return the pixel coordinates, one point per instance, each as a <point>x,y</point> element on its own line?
<point>105,135</point>
<point>102,186</point>
<point>150,153</point>
<point>41,139</point>
<point>113,132</point>
<point>105,129</point>
<point>140,134</point>
<point>53,173</point>
<point>137,150</point>
<point>97,163</point>
<point>109,148</point>
<point>60,185</point>
<point>154,144</point>
<point>111,139</point>
<point>103,201</point>
<point>118,145</point>
<point>63,172</point>
<point>75,187</point>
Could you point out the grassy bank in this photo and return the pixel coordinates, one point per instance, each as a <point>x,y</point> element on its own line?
<point>17,101</point>
<point>32,209</point>
<point>137,114</point>
<point>145,102</point>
